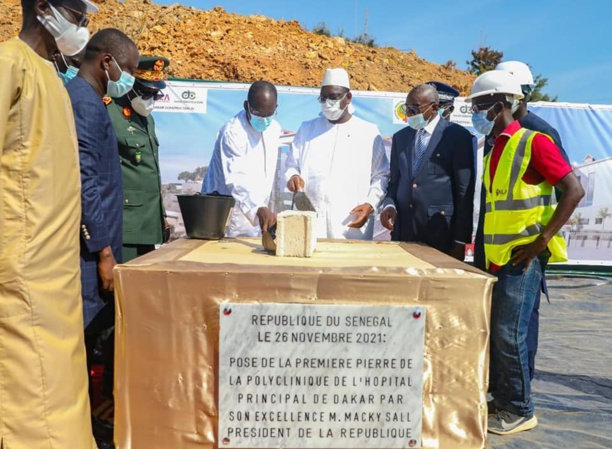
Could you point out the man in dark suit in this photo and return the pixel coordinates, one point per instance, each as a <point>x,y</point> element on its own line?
<point>110,61</point>
<point>431,189</point>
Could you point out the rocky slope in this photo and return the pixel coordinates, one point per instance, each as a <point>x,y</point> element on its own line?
<point>217,45</point>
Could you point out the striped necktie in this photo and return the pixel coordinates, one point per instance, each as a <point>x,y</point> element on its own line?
<point>419,151</point>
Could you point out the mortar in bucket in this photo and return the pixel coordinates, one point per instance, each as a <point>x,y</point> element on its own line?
<point>205,216</point>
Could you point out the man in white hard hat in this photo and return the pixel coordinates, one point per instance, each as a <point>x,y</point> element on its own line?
<point>339,161</point>
<point>43,373</point>
<point>520,238</point>
<point>527,119</point>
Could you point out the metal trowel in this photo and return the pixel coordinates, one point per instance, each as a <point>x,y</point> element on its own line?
<point>302,202</point>
<point>268,239</point>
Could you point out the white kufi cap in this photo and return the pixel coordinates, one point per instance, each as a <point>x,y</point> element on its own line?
<point>336,77</point>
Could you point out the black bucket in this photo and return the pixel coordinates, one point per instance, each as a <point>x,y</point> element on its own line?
<point>205,216</point>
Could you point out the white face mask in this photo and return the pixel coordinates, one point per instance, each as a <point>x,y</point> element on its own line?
<point>515,105</point>
<point>332,113</point>
<point>331,108</point>
<point>70,38</point>
<point>143,107</point>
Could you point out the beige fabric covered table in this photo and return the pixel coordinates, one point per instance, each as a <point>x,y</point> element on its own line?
<point>168,329</point>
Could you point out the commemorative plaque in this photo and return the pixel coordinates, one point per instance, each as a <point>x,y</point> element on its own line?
<point>320,376</point>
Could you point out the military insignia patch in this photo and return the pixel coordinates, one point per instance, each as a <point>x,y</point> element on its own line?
<point>138,156</point>
<point>107,100</point>
<point>127,112</point>
<point>159,65</point>
<point>131,129</point>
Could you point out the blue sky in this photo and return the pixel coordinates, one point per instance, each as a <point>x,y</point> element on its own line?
<point>566,41</point>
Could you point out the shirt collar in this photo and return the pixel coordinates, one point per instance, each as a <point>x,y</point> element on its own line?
<point>432,124</point>
<point>32,51</point>
<point>511,129</point>
<point>507,133</point>
<point>245,122</point>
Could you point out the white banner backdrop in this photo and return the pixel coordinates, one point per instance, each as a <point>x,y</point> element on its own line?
<point>191,113</point>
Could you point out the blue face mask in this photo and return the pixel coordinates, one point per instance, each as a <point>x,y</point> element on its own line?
<point>71,72</point>
<point>417,121</point>
<point>481,123</point>
<point>122,86</point>
<point>260,123</point>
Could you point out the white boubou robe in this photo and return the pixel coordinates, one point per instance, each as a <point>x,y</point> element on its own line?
<point>343,166</point>
<point>243,165</point>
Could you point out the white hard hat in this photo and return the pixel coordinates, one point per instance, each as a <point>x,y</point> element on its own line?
<point>91,7</point>
<point>496,82</point>
<point>518,69</point>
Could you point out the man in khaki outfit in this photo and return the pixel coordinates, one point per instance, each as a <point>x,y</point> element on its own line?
<point>43,378</point>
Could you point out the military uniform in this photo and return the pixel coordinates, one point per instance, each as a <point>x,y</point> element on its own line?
<point>143,209</point>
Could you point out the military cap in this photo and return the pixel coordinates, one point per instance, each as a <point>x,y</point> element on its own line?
<point>150,72</point>
<point>446,93</point>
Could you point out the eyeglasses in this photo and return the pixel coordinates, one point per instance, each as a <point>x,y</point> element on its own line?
<point>261,114</point>
<point>332,98</point>
<point>80,17</point>
<point>482,107</point>
<point>415,109</point>
<point>155,94</point>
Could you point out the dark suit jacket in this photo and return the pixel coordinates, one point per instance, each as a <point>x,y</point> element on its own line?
<point>101,189</point>
<point>435,205</point>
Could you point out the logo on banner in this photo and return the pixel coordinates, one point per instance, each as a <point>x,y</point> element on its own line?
<point>188,95</point>
<point>164,99</point>
<point>399,112</point>
<point>462,114</point>
<point>181,97</point>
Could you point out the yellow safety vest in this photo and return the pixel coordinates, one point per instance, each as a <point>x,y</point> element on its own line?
<point>516,212</point>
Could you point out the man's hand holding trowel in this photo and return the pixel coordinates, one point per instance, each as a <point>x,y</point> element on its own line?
<point>302,202</point>
<point>267,218</point>
<point>295,184</point>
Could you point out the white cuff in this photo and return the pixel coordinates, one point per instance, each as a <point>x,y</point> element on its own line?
<point>290,173</point>
<point>252,215</point>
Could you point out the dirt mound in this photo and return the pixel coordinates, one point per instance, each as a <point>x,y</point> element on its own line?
<point>216,45</point>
